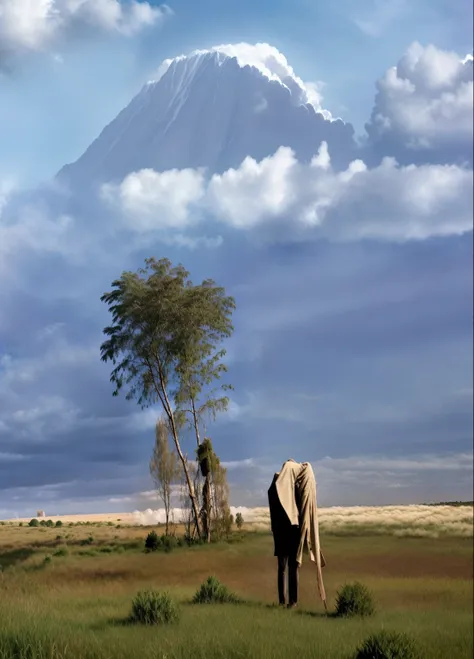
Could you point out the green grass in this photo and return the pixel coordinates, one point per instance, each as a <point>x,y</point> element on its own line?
<point>78,606</point>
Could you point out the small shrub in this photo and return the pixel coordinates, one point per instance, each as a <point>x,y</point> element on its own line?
<point>387,645</point>
<point>20,524</point>
<point>354,600</point>
<point>87,541</point>
<point>61,552</point>
<point>58,523</point>
<point>33,522</point>
<point>49,523</point>
<point>150,607</point>
<point>239,521</point>
<point>152,541</point>
<point>47,559</point>
<point>168,542</point>
<point>212,591</point>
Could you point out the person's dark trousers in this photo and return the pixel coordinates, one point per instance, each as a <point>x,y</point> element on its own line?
<point>284,563</point>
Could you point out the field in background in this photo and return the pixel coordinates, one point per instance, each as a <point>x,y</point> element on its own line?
<point>66,591</point>
<point>412,521</point>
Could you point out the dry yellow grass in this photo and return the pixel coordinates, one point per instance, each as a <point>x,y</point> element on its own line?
<point>415,520</point>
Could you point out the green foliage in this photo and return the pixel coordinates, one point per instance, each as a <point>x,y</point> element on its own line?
<point>354,600</point>
<point>47,560</point>
<point>49,523</point>
<point>62,551</point>
<point>152,541</point>
<point>33,522</point>
<point>212,591</point>
<point>164,329</point>
<point>87,541</point>
<point>58,523</point>
<point>168,542</point>
<point>239,521</point>
<point>387,645</point>
<point>154,608</point>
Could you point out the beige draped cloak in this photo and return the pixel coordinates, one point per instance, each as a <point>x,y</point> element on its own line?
<point>293,478</point>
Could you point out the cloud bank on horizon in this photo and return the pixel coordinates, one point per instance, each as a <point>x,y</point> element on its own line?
<point>349,258</point>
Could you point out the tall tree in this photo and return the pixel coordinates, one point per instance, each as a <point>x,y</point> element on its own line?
<point>163,344</point>
<point>164,467</point>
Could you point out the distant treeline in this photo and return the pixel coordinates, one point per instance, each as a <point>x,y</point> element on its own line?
<point>451,503</point>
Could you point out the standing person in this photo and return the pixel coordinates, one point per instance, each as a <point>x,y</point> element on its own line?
<point>294,521</point>
<point>286,538</point>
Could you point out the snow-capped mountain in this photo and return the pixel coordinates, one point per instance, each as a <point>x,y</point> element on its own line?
<point>212,109</point>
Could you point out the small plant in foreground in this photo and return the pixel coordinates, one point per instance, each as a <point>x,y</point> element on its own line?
<point>387,645</point>
<point>354,600</point>
<point>152,541</point>
<point>150,607</point>
<point>213,591</point>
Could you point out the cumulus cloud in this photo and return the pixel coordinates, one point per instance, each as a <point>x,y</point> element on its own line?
<point>285,198</point>
<point>151,200</point>
<point>425,102</point>
<point>37,25</point>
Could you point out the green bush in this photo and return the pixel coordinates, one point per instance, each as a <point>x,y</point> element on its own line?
<point>354,600</point>
<point>239,521</point>
<point>33,522</point>
<point>387,645</point>
<point>61,552</point>
<point>50,523</point>
<point>212,591</point>
<point>87,541</point>
<point>168,542</point>
<point>47,559</point>
<point>152,541</point>
<point>150,607</point>
<point>58,523</point>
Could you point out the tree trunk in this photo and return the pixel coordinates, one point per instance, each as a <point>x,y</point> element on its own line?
<point>174,431</point>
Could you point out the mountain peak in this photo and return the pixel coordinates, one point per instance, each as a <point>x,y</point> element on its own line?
<point>263,57</point>
<point>212,109</point>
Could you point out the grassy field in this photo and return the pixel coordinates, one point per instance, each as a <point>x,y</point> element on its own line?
<point>75,603</point>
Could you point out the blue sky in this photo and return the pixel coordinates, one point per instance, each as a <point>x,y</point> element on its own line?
<point>353,343</point>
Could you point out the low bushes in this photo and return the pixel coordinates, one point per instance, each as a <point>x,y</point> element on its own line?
<point>387,645</point>
<point>354,600</point>
<point>212,591</point>
<point>151,607</point>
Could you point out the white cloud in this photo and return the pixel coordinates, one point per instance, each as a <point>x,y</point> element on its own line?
<point>36,25</point>
<point>285,198</point>
<point>152,200</point>
<point>32,226</point>
<point>426,101</point>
